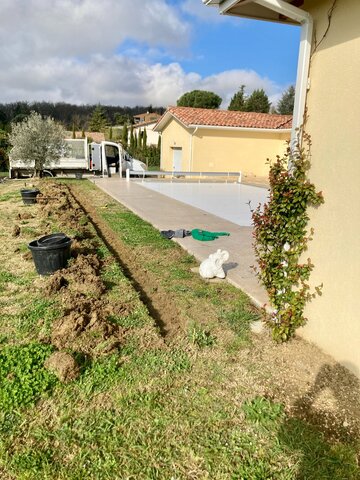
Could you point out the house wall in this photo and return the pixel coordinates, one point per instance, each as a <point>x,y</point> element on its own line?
<point>175,135</point>
<point>152,137</point>
<point>221,150</point>
<point>334,125</point>
<point>236,150</point>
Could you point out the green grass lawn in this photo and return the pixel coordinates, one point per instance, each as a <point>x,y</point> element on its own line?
<point>178,409</point>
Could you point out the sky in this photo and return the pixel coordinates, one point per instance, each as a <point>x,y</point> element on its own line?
<point>137,52</point>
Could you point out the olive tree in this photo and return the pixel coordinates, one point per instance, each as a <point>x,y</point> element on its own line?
<point>38,142</point>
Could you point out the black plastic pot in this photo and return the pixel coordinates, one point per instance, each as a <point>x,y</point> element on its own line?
<point>50,253</point>
<point>29,195</point>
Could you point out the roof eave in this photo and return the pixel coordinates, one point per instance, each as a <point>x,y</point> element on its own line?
<point>251,9</point>
<point>165,119</point>
<point>244,129</point>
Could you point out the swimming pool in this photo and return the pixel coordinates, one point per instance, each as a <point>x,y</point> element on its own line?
<point>225,200</point>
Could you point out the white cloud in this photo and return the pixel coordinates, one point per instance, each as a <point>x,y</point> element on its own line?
<point>35,29</point>
<point>66,50</point>
<point>120,80</point>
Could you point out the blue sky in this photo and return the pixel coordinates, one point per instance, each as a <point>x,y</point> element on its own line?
<point>132,52</point>
<point>269,49</point>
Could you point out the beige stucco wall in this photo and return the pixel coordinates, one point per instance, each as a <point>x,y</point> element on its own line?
<point>175,135</point>
<point>213,150</point>
<point>236,150</point>
<point>152,138</point>
<point>334,125</point>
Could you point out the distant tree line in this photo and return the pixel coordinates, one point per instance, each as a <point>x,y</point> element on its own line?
<point>70,115</point>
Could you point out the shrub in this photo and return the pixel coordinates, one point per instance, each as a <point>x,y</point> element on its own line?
<point>280,233</point>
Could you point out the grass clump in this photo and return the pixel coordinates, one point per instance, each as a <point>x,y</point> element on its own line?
<point>39,315</point>
<point>263,411</point>
<point>10,196</point>
<point>200,336</point>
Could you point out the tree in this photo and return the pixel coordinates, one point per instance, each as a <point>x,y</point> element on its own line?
<point>238,100</point>
<point>200,99</point>
<point>132,138</point>
<point>258,102</point>
<point>37,140</point>
<point>4,145</point>
<point>3,119</point>
<point>285,105</point>
<point>144,144</point>
<point>98,120</point>
<point>124,136</point>
<point>120,119</point>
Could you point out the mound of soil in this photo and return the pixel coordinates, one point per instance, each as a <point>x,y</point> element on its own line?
<point>63,365</point>
<point>85,326</point>
<point>81,277</point>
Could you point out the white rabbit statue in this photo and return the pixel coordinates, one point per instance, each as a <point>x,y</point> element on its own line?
<point>212,266</point>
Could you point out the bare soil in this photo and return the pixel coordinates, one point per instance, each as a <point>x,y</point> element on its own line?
<point>64,366</point>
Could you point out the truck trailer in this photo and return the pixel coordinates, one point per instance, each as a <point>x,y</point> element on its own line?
<point>105,158</point>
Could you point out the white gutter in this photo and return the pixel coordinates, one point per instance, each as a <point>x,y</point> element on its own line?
<point>306,22</point>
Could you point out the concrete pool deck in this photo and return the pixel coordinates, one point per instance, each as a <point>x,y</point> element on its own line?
<point>165,213</point>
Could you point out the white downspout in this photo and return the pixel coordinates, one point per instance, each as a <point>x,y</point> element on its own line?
<point>306,22</point>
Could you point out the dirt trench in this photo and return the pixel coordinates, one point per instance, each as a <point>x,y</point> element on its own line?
<point>159,303</point>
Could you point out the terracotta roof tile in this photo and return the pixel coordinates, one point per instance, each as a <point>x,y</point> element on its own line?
<point>225,118</point>
<point>143,124</point>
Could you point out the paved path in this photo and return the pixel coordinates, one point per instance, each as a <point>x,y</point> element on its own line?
<point>168,214</point>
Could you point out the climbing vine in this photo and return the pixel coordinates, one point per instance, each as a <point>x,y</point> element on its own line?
<point>281,237</point>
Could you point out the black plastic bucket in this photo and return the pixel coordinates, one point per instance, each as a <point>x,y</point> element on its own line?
<point>29,195</point>
<point>50,253</point>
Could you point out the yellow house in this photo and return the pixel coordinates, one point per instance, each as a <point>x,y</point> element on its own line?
<point>328,87</point>
<point>203,140</point>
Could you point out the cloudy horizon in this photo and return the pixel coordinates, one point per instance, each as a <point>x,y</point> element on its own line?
<point>137,52</point>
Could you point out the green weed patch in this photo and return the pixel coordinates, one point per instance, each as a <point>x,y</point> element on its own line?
<point>23,378</point>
